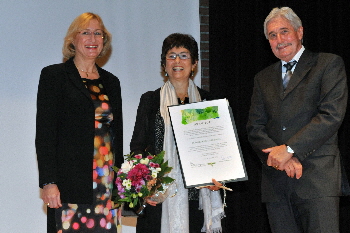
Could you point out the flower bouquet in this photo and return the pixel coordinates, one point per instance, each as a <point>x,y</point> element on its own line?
<point>139,178</point>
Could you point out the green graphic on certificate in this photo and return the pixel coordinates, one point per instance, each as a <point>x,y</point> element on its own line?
<point>192,115</point>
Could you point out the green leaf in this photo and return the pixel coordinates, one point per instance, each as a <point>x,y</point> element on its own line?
<point>161,154</point>
<point>126,199</point>
<point>129,157</point>
<point>167,170</point>
<point>135,201</point>
<point>167,179</point>
<point>115,169</point>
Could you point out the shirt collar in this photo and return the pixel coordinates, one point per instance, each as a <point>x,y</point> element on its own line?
<point>297,56</point>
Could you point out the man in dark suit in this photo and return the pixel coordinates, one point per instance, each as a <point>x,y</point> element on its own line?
<point>295,113</point>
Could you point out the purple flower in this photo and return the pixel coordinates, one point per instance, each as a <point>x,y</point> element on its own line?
<point>121,189</point>
<point>138,188</point>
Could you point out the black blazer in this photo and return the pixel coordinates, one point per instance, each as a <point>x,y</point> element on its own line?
<point>306,116</point>
<point>65,129</point>
<point>143,138</point>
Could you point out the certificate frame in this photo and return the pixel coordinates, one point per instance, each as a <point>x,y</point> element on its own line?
<point>207,143</point>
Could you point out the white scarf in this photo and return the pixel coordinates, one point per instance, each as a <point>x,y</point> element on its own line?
<point>175,213</point>
<point>211,204</point>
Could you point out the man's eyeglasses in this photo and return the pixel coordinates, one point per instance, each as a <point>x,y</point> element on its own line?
<point>87,33</point>
<point>182,56</point>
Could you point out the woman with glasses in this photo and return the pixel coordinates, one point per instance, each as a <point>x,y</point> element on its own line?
<point>79,132</point>
<point>153,133</point>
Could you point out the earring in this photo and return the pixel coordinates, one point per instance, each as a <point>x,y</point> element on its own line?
<point>166,74</point>
<point>192,73</point>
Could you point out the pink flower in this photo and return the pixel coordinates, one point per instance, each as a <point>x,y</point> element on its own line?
<point>138,156</point>
<point>137,174</point>
<point>155,165</point>
<point>118,181</point>
<point>139,182</point>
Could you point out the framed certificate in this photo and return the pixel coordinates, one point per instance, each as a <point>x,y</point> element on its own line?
<point>207,143</point>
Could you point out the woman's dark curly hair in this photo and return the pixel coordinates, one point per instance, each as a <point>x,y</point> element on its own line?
<point>179,40</point>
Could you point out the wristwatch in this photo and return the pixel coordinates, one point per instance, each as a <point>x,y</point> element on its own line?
<point>289,150</point>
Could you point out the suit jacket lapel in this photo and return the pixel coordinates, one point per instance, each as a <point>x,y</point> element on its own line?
<point>303,66</point>
<point>276,80</point>
<point>74,76</point>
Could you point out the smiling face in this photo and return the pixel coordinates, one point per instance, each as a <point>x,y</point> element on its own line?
<point>179,69</point>
<point>284,40</point>
<point>88,43</point>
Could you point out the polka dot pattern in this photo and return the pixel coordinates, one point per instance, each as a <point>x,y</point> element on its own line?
<point>98,217</point>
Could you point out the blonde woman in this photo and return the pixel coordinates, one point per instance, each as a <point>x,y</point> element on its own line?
<point>79,132</point>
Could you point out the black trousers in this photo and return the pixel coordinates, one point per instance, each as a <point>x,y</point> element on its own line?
<point>296,215</point>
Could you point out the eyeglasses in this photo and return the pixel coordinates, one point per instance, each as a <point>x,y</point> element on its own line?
<point>182,56</point>
<point>87,33</point>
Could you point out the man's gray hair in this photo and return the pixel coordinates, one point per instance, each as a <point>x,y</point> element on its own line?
<point>285,12</point>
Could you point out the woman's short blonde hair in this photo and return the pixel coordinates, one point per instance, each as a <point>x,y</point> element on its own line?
<point>78,24</point>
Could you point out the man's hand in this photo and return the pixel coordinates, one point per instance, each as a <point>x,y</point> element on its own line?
<point>293,168</point>
<point>278,156</point>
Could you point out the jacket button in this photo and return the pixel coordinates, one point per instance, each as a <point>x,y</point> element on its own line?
<point>284,128</point>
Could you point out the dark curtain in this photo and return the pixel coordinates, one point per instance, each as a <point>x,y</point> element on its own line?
<point>238,50</point>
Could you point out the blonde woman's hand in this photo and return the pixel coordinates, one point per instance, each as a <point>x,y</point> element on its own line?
<point>51,196</point>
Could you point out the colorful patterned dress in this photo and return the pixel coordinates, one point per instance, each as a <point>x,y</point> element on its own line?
<point>98,217</point>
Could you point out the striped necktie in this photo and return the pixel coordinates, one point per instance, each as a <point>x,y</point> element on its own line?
<point>289,73</point>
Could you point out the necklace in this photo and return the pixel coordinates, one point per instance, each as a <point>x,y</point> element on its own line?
<point>182,101</point>
<point>182,97</point>
<point>86,72</point>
